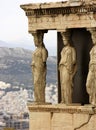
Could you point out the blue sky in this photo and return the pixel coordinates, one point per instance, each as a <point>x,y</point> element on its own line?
<point>14,26</point>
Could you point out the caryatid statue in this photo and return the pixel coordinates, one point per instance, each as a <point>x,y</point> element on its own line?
<point>39,58</point>
<point>91,78</point>
<point>67,67</point>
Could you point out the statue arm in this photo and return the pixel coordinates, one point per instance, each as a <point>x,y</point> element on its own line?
<point>74,62</point>
<point>62,61</point>
<point>32,63</point>
<point>90,79</point>
<point>44,54</point>
<point>74,56</point>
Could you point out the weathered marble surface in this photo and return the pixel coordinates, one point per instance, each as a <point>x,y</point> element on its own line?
<point>62,117</point>
<point>91,78</point>
<point>67,67</point>
<point>39,58</point>
<point>61,15</point>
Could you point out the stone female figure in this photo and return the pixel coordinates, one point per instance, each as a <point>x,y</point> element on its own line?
<point>91,78</point>
<point>39,59</point>
<point>67,67</point>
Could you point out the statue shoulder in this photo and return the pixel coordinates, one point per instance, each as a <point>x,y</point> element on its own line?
<point>44,50</point>
<point>73,49</point>
<point>93,50</point>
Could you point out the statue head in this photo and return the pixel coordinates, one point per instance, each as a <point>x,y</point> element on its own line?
<point>93,34</point>
<point>38,38</point>
<point>66,37</point>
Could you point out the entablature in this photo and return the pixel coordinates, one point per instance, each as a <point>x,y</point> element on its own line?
<point>60,15</point>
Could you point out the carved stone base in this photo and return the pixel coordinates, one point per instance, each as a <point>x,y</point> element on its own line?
<point>62,117</point>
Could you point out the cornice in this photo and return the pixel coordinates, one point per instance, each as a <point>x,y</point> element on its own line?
<point>61,108</point>
<point>58,8</point>
<point>61,10</point>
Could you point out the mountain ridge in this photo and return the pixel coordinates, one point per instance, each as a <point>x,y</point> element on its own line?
<point>5,51</point>
<point>15,67</point>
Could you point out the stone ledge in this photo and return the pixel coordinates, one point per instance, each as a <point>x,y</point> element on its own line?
<point>61,4</point>
<point>35,10</point>
<point>59,108</point>
<point>44,5</point>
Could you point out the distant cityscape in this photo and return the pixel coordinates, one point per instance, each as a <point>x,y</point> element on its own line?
<point>13,105</point>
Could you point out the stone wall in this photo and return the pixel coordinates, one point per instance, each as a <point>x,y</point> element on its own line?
<point>62,117</point>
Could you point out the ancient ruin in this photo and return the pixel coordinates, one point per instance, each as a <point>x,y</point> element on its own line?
<point>67,68</point>
<point>79,18</point>
<point>38,65</point>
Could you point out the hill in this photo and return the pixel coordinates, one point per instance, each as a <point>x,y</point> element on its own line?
<point>15,67</point>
